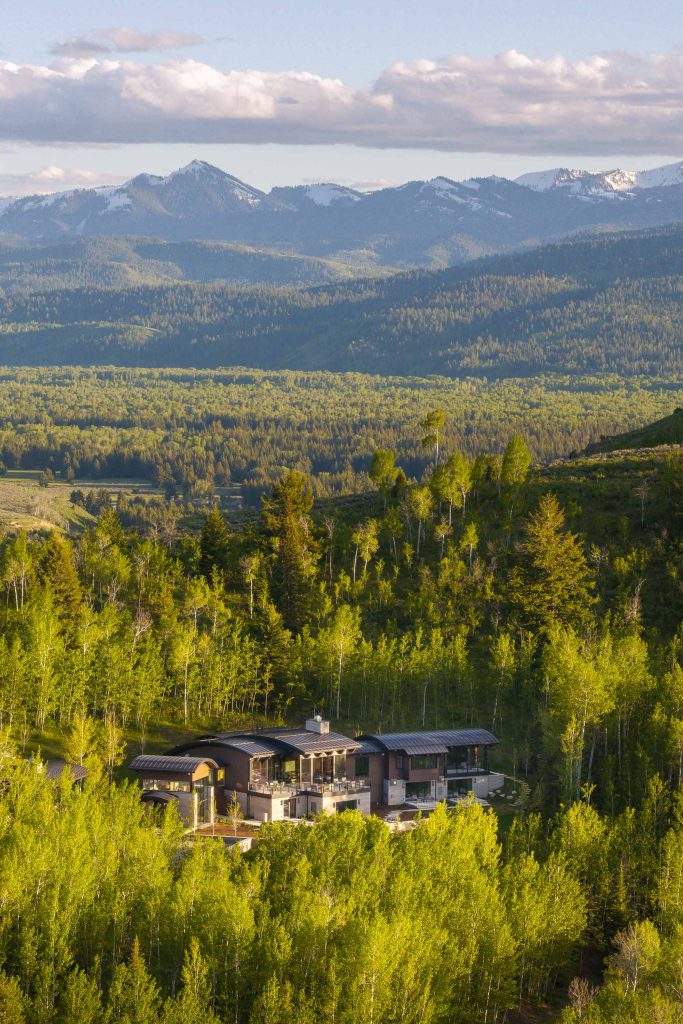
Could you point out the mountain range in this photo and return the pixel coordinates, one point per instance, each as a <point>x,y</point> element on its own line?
<point>436,223</point>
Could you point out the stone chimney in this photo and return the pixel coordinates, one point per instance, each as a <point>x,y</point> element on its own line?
<point>317,724</point>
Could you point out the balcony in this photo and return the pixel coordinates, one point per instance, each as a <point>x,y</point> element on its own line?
<point>275,789</point>
<point>341,786</point>
<point>454,771</point>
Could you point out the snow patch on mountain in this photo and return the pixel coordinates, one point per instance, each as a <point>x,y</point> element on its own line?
<point>326,193</point>
<point>604,184</point>
<point>115,199</point>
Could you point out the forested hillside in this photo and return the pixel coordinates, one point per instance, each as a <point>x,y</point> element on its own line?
<point>189,433</point>
<point>602,305</point>
<point>131,262</point>
<point>544,604</point>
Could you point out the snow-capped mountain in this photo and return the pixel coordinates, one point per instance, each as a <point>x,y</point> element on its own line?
<point>437,222</point>
<point>604,184</point>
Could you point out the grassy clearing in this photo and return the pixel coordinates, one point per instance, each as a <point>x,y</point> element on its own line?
<point>25,505</point>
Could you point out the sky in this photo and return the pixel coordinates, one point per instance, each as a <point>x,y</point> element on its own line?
<point>363,92</point>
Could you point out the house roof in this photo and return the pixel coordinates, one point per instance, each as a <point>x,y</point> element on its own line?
<point>301,741</point>
<point>54,768</point>
<point>369,745</point>
<point>433,742</point>
<point>269,742</point>
<point>164,763</point>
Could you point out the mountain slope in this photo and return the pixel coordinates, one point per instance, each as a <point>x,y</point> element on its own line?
<point>120,262</point>
<point>435,223</point>
<point>667,431</point>
<point>613,304</point>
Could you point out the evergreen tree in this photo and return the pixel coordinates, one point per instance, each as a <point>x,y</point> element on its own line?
<point>552,581</point>
<point>287,521</point>
<point>133,996</point>
<point>213,543</point>
<point>61,573</point>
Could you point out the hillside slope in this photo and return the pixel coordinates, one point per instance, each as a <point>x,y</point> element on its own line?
<point>613,304</point>
<point>667,431</point>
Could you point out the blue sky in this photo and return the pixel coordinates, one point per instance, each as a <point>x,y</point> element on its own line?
<point>359,92</point>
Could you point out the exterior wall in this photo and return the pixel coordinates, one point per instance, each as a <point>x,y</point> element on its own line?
<point>394,792</point>
<point>482,785</point>
<point>376,764</point>
<point>376,767</point>
<point>235,764</point>
<point>329,803</point>
<point>423,774</point>
<point>261,806</point>
<point>391,771</point>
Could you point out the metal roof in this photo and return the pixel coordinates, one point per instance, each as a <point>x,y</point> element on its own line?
<point>466,737</point>
<point>268,742</point>
<point>369,746</point>
<point>158,796</point>
<point>166,763</point>
<point>301,741</point>
<point>432,742</point>
<point>247,744</point>
<point>54,768</point>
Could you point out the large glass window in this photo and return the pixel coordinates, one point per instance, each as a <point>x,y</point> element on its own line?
<point>424,761</point>
<point>167,785</point>
<point>418,790</point>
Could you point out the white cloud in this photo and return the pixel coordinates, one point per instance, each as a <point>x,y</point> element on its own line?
<point>510,103</point>
<point>124,40</point>
<point>53,179</point>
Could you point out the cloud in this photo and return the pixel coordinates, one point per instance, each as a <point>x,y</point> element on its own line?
<point>124,40</point>
<point>510,103</point>
<point>372,184</point>
<point>53,179</point>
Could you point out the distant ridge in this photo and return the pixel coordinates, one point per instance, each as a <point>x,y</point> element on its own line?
<point>437,223</point>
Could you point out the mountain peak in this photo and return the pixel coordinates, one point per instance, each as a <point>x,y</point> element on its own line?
<point>198,167</point>
<point>602,183</point>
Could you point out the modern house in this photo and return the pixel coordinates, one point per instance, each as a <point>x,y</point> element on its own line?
<point>190,782</point>
<point>404,767</point>
<point>296,773</point>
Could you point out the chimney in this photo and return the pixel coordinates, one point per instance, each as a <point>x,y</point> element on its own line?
<point>317,724</point>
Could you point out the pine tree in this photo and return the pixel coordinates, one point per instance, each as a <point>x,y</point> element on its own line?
<point>552,581</point>
<point>133,994</point>
<point>287,520</point>
<point>61,573</point>
<point>213,544</point>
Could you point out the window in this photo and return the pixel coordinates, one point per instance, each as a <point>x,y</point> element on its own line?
<point>362,767</point>
<point>167,785</point>
<point>424,761</point>
<point>399,760</point>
